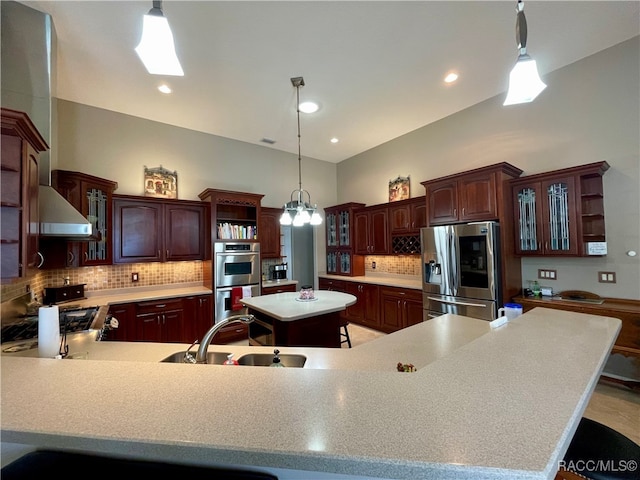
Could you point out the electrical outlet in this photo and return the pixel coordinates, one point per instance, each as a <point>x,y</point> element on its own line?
<point>134,277</point>
<point>373,265</point>
<point>547,274</point>
<point>607,277</point>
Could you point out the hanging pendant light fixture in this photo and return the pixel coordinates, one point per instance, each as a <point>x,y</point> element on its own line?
<point>156,48</point>
<point>524,81</point>
<point>299,211</point>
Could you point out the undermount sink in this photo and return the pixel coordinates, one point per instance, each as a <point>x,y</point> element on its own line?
<point>265,359</point>
<point>213,358</point>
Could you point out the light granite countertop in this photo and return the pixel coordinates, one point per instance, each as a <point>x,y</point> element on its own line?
<point>471,411</point>
<point>288,306</point>
<point>390,280</point>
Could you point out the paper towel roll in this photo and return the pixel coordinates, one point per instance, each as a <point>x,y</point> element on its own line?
<point>48,331</point>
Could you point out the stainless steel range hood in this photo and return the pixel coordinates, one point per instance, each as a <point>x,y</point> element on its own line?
<point>28,63</point>
<point>58,218</point>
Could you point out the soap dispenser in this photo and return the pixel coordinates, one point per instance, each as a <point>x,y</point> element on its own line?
<point>276,359</point>
<point>230,360</point>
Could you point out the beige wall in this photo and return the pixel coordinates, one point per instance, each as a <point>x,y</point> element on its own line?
<point>117,147</point>
<point>589,112</point>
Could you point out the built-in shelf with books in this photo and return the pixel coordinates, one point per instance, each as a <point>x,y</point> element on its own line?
<point>234,215</point>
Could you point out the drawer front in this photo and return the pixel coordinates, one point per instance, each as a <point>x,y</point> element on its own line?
<point>161,305</point>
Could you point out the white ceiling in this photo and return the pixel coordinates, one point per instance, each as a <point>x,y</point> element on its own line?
<point>375,67</point>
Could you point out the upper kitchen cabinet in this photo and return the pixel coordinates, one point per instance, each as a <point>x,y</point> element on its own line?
<point>93,197</point>
<point>406,218</point>
<point>234,215</point>
<point>149,229</point>
<point>21,147</point>
<point>472,196</point>
<point>560,212</point>
<point>372,231</point>
<point>340,229</point>
<point>270,236</point>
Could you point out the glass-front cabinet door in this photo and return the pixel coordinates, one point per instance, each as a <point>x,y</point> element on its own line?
<point>545,214</point>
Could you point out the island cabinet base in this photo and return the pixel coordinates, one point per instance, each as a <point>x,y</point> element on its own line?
<point>319,331</point>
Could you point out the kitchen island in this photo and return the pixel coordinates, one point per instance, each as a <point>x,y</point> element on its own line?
<point>471,411</point>
<point>285,319</point>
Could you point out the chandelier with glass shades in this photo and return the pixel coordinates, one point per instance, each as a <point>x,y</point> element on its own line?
<point>298,211</point>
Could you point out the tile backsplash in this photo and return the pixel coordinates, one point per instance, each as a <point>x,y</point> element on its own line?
<point>107,277</point>
<point>393,264</point>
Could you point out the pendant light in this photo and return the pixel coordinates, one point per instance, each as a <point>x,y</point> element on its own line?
<point>299,211</point>
<point>524,81</point>
<point>156,48</point>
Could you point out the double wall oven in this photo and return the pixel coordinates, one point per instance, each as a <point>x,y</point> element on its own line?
<point>236,270</point>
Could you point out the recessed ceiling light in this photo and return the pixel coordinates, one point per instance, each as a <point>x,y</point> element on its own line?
<point>309,107</point>
<point>451,77</point>
<point>164,88</point>
<point>334,140</point>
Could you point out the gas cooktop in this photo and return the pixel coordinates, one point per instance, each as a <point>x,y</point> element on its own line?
<point>72,319</point>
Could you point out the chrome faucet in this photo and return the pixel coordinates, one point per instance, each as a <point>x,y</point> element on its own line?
<point>201,356</point>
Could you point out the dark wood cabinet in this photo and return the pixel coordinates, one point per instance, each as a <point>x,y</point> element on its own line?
<point>330,284</point>
<point>279,289</point>
<point>198,316</point>
<point>125,313</point>
<point>471,196</point>
<point>366,309</point>
<point>407,217</point>
<point>234,215</point>
<point>171,320</point>
<point>340,230</point>
<point>157,230</point>
<point>628,311</point>
<point>560,212</point>
<point>372,231</point>
<point>19,236</point>
<point>269,228</point>
<point>160,321</point>
<point>400,308</point>
<point>483,194</point>
<point>93,197</point>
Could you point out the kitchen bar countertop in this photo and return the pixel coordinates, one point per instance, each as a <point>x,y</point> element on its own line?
<point>471,411</point>
<point>288,307</point>
<point>401,281</point>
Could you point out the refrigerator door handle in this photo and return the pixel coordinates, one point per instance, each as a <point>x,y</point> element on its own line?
<point>453,262</point>
<point>450,302</point>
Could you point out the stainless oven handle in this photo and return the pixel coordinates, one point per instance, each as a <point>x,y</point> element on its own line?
<point>468,304</point>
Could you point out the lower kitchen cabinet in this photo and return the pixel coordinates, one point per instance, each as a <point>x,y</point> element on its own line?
<point>380,307</point>
<point>400,308</point>
<point>125,314</point>
<point>160,321</point>
<point>366,310</point>
<point>628,311</point>
<point>279,289</point>
<point>198,314</point>
<point>170,320</point>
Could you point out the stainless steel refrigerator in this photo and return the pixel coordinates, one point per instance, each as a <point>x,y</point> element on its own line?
<point>461,270</point>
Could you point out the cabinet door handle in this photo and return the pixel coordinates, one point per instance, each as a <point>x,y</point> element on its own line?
<point>167,253</point>
<point>463,211</point>
<point>455,212</point>
<point>41,259</point>
<point>158,253</point>
<point>161,306</point>
<point>71,257</point>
